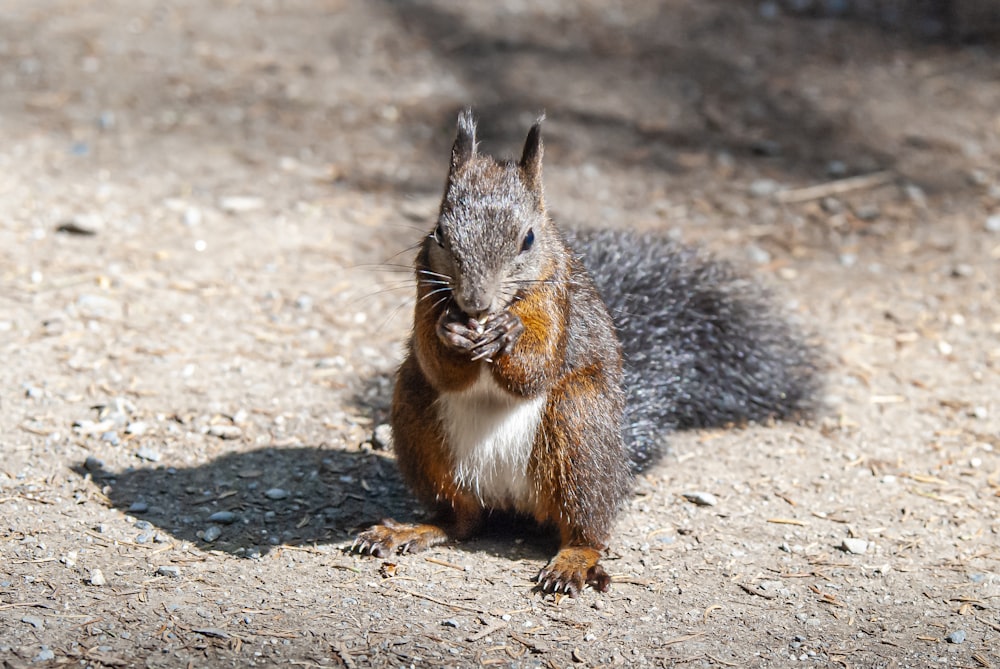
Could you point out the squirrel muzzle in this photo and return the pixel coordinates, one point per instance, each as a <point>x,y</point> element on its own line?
<point>476,300</point>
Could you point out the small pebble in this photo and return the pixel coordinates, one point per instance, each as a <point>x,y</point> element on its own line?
<point>138,507</point>
<point>34,621</point>
<point>212,532</point>
<point>831,205</point>
<point>916,195</point>
<point>137,428</point>
<point>143,525</point>
<point>96,578</point>
<point>764,187</point>
<point>224,517</point>
<point>146,453</point>
<point>958,636</point>
<point>757,255</point>
<point>867,212</point>
<point>192,217</point>
<point>90,428</point>
<point>962,270</point>
<point>451,622</point>
<point>276,493</point>
<point>768,10</point>
<point>168,570</point>
<point>111,437</point>
<point>225,431</point>
<point>236,204</point>
<point>836,169</point>
<point>45,655</point>
<point>854,546</point>
<point>92,464</point>
<point>382,437</point>
<point>993,223</point>
<point>701,498</point>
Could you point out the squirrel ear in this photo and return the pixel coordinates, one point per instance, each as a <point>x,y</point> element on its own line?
<point>465,141</point>
<point>531,157</point>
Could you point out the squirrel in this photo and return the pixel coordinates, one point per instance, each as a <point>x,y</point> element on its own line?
<point>544,368</point>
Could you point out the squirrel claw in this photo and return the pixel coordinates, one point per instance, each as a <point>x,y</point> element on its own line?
<point>573,569</point>
<point>363,546</point>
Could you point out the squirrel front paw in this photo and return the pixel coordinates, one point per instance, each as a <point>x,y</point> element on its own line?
<point>479,340</point>
<point>573,568</point>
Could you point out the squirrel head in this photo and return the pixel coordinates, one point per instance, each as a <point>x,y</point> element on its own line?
<point>493,236</point>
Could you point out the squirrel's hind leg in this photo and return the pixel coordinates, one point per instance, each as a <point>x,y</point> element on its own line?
<point>571,569</point>
<point>389,537</point>
<point>456,522</point>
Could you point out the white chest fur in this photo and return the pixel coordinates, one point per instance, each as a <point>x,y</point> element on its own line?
<point>490,433</point>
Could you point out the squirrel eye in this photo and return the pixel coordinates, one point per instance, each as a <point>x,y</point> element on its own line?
<point>438,235</point>
<point>529,239</point>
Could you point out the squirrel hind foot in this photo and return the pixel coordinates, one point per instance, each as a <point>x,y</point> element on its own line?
<point>573,568</point>
<point>392,537</point>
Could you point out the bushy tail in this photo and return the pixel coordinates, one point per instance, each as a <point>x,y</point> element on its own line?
<point>703,345</point>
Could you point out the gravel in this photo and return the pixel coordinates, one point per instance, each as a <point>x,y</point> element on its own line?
<point>701,498</point>
<point>148,454</point>
<point>45,655</point>
<point>854,546</point>
<point>224,517</point>
<point>225,431</point>
<point>34,621</point>
<point>93,464</point>
<point>382,437</point>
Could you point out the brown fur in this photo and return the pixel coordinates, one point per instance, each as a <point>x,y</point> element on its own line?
<point>549,334</point>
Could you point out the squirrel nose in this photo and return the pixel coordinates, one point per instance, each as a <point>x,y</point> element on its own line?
<point>475,312</point>
<point>475,304</point>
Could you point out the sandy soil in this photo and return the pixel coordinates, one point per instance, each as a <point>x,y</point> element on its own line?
<point>205,217</point>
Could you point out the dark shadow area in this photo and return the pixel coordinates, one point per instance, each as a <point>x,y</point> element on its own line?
<point>641,94</point>
<point>953,21</point>
<point>634,93</point>
<point>271,497</point>
<point>266,497</point>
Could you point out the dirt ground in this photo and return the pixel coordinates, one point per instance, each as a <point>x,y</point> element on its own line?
<point>206,211</point>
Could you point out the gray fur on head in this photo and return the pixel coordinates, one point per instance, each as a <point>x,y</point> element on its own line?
<point>491,211</point>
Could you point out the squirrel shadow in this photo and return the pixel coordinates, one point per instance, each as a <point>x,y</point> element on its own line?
<point>263,498</point>
<point>298,496</point>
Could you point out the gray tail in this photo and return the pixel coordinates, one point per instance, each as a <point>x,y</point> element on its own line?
<point>703,345</point>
